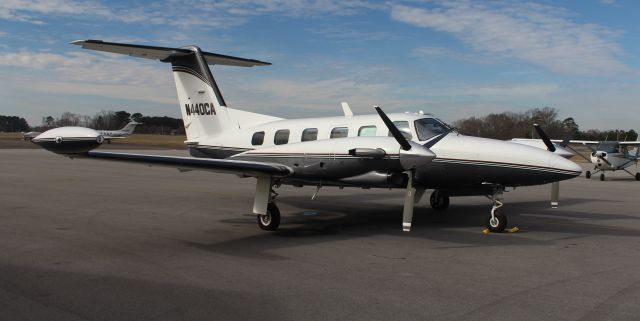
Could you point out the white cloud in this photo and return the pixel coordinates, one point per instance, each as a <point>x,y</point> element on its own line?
<point>90,74</point>
<point>190,13</point>
<point>534,33</point>
<point>29,10</point>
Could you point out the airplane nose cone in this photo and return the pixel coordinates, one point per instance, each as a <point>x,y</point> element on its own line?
<point>565,166</point>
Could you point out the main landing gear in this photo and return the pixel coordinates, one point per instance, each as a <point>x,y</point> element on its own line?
<point>271,220</point>
<point>264,206</point>
<point>588,174</point>
<point>497,221</point>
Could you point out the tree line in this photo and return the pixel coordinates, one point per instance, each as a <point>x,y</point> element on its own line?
<point>505,125</point>
<point>509,125</point>
<point>13,124</point>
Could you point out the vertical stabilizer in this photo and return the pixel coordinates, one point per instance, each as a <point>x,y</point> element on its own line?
<point>203,108</point>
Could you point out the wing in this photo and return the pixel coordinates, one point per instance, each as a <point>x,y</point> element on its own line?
<point>629,143</point>
<point>243,168</point>
<point>578,142</point>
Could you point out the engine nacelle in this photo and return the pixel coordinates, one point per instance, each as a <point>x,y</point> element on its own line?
<point>69,140</point>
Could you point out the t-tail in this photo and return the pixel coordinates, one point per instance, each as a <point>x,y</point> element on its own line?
<point>204,110</point>
<point>130,127</point>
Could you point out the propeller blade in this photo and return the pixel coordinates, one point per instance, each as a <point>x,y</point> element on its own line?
<point>603,159</point>
<point>555,194</point>
<point>567,139</point>
<point>409,199</point>
<point>404,143</point>
<point>545,138</point>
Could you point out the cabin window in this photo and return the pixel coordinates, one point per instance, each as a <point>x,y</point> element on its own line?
<point>309,134</point>
<point>403,126</point>
<point>367,131</point>
<point>281,137</point>
<point>429,127</point>
<point>257,138</point>
<point>339,132</point>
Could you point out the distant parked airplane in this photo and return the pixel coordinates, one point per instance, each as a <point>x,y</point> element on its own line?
<point>107,135</point>
<point>611,156</point>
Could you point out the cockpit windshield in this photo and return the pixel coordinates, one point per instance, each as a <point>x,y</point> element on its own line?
<point>429,127</point>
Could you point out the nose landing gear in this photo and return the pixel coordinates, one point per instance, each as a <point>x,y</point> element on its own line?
<point>497,221</point>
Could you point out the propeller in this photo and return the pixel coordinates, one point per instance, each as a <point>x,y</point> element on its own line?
<point>404,143</point>
<point>412,156</point>
<point>555,186</point>
<point>550,146</point>
<point>595,153</point>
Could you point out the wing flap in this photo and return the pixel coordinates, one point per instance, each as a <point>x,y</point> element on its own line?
<point>237,167</point>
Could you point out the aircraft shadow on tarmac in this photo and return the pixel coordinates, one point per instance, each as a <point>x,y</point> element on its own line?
<point>342,218</point>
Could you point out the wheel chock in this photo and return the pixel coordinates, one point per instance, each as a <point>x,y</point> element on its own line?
<point>514,229</point>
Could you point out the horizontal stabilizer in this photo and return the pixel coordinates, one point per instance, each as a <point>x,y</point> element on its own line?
<point>163,53</point>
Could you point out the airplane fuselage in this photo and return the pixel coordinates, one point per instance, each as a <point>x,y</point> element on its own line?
<point>464,165</point>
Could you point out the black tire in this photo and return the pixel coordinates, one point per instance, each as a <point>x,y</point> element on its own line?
<point>602,177</point>
<point>271,220</point>
<point>587,174</point>
<point>499,225</point>
<point>439,200</point>
<point>637,176</point>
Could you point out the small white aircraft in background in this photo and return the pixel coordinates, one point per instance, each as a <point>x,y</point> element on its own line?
<point>401,150</point>
<point>611,156</point>
<point>127,130</point>
<point>30,135</point>
<point>107,135</point>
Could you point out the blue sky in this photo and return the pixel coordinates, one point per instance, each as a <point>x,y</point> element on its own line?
<point>454,59</point>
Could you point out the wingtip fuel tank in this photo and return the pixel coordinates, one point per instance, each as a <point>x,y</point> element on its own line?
<point>69,140</point>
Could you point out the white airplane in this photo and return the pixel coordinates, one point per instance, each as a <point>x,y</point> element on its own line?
<point>107,135</point>
<point>127,130</point>
<point>560,147</point>
<point>611,156</point>
<point>411,151</point>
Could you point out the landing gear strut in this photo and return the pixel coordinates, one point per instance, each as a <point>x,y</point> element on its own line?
<point>264,206</point>
<point>497,221</point>
<point>439,200</point>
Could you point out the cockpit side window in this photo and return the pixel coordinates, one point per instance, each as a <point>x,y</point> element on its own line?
<point>404,128</point>
<point>429,127</point>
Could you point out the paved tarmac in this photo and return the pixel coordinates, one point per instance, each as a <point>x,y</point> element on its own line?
<point>90,240</point>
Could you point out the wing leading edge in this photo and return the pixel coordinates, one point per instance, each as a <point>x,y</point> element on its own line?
<point>254,169</point>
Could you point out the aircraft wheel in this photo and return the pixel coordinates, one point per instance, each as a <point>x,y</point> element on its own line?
<point>602,177</point>
<point>498,223</point>
<point>271,220</point>
<point>439,201</point>
<point>587,174</point>
<point>637,176</point>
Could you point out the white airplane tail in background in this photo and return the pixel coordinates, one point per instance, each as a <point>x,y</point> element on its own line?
<point>130,127</point>
<point>204,111</point>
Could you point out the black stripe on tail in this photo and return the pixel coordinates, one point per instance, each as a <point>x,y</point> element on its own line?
<point>195,64</point>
